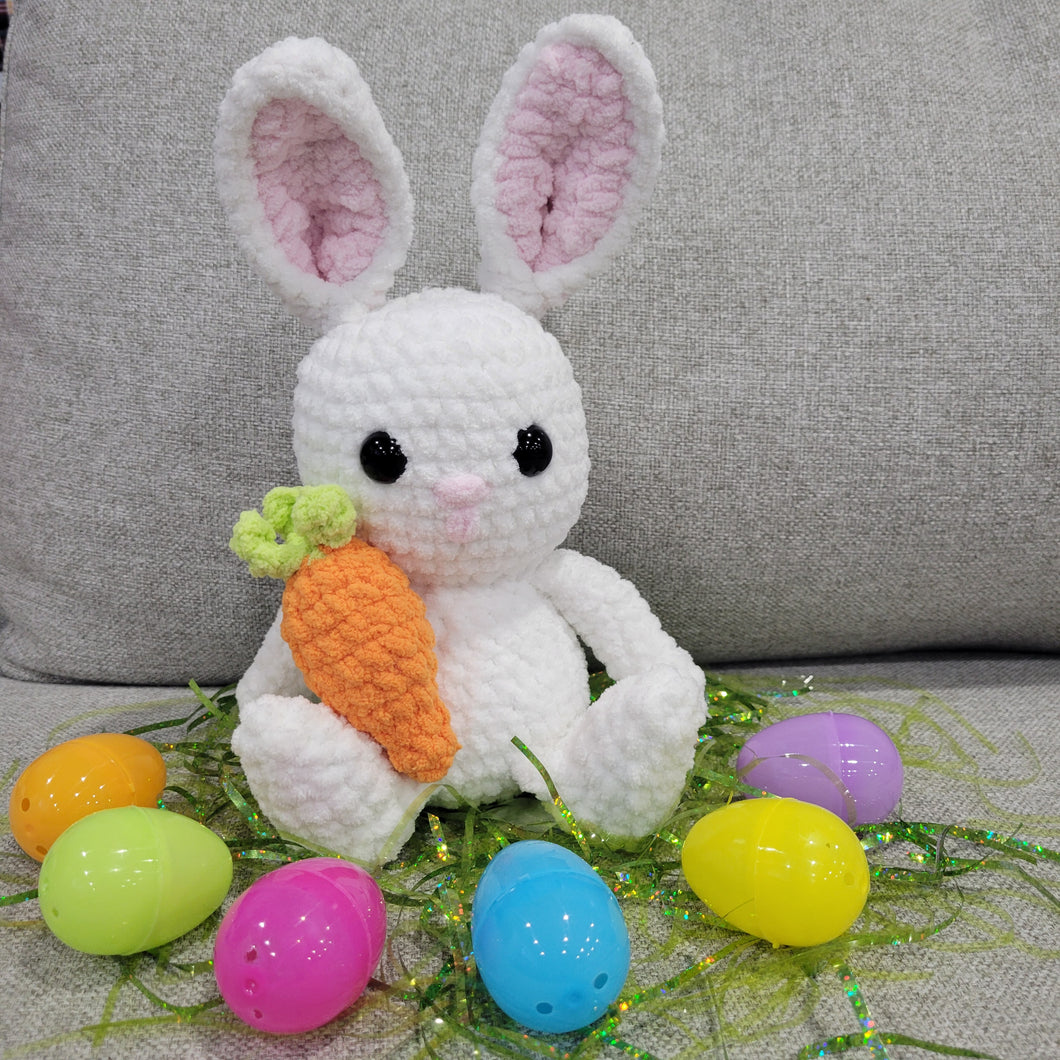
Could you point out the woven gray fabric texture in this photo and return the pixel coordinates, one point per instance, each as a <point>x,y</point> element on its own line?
<point>821,385</point>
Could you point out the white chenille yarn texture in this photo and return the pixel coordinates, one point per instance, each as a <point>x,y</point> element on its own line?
<point>452,377</point>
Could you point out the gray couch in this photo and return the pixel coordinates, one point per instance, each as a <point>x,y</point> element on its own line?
<point>822,389</point>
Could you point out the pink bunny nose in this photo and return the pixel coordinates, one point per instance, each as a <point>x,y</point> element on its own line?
<point>461,491</point>
<point>461,495</point>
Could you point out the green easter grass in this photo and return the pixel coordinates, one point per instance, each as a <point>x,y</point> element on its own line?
<point>427,1001</point>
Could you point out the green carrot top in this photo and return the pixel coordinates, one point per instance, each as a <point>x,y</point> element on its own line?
<point>295,523</point>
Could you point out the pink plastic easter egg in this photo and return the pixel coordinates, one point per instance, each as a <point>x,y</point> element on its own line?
<point>842,762</point>
<point>299,945</point>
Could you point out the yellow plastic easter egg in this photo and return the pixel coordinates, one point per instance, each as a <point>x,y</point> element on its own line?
<point>780,869</point>
<point>77,778</point>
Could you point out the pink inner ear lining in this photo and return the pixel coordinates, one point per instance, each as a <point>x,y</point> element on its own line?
<point>321,197</point>
<point>566,156</point>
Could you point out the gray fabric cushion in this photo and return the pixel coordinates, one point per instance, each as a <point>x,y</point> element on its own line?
<point>821,385</point>
<point>987,983</point>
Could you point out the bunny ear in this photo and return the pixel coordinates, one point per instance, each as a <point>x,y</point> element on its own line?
<point>567,160</point>
<point>312,182</point>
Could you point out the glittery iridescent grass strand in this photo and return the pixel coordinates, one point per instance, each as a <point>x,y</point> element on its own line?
<point>19,897</point>
<point>845,1042</point>
<point>561,807</point>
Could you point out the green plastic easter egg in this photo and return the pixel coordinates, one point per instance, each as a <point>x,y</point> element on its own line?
<point>130,879</point>
<point>779,869</point>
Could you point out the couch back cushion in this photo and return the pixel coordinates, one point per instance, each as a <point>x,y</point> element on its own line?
<point>822,384</point>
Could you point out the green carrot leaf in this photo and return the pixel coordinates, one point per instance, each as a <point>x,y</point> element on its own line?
<point>294,523</point>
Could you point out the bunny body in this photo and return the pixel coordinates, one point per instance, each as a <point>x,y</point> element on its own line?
<point>453,420</point>
<point>509,665</point>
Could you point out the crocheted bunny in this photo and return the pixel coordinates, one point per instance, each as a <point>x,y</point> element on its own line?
<point>453,420</point>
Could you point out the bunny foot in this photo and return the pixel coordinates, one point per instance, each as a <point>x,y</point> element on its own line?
<point>622,769</point>
<point>317,778</point>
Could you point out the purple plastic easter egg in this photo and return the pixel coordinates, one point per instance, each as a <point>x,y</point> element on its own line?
<point>299,945</point>
<point>842,762</point>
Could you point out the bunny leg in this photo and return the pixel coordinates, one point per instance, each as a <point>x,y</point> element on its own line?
<point>622,766</point>
<point>621,769</point>
<point>317,778</point>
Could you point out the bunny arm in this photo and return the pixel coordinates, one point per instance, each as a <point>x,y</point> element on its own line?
<point>611,616</point>
<point>621,768</point>
<point>273,670</point>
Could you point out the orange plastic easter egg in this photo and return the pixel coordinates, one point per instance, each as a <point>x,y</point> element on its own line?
<point>77,778</point>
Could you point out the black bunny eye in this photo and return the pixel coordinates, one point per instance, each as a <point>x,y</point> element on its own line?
<point>382,458</point>
<point>534,451</point>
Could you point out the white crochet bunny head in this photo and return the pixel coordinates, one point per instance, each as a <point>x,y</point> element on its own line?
<point>454,420</point>
<point>452,417</point>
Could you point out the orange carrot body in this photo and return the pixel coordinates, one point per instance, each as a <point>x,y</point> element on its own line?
<point>359,634</point>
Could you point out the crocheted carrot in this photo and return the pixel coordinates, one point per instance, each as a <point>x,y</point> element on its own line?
<point>356,629</point>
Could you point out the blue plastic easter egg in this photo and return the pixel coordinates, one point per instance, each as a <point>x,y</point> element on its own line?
<point>842,762</point>
<point>549,938</point>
